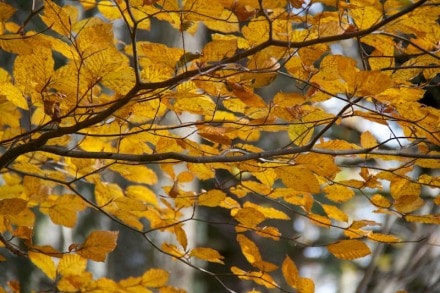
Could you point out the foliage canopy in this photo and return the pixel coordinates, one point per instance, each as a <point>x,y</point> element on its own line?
<point>282,126</point>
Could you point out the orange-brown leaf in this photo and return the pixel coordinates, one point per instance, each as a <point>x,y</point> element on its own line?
<point>290,272</point>
<point>98,245</point>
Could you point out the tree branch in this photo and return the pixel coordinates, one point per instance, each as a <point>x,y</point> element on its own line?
<point>225,157</point>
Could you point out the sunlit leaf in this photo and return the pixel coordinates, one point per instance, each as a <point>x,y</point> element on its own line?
<point>172,250</point>
<point>386,238</point>
<point>208,254</point>
<point>290,272</point>
<point>44,263</point>
<point>249,249</point>
<point>349,249</point>
<point>155,278</point>
<point>338,193</point>
<point>335,213</point>
<point>299,178</point>
<point>427,219</point>
<point>268,212</point>
<point>98,244</point>
<point>71,264</point>
<point>258,277</point>
<point>300,133</point>
<point>211,198</point>
<point>249,217</point>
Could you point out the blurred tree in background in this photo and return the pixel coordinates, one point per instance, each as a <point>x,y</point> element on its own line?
<point>212,146</point>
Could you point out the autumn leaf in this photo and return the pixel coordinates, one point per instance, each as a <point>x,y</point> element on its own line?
<point>154,278</point>
<point>349,249</point>
<point>98,244</point>
<point>71,264</point>
<point>44,263</point>
<point>211,198</point>
<point>172,250</point>
<point>249,249</point>
<point>208,254</point>
<point>190,123</point>
<point>290,272</point>
<point>11,206</point>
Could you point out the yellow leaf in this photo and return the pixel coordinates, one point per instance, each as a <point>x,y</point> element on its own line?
<point>300,133</point>
<point>130,204</point>
<point>64,210</point>
<point>249,249</point>
<point>136,173</point>
<point>196,104</point>
<point>12,206</point>
<point>370,83</point>
<point>121,80</point>
<point>14,43</point>
<point>249,217</point>
<point>14,95</point>
<point>160,54</point>
<point>320,164</point>
<point>401,187</point>
<point>427,219</point>
<point>269,232</point>
<point>59,19</point>
<point>172,250</point>
<point>268,212</point>
<point>408,203</point>
<point>181,236</point>
<point>365,13</point>
<point>6,11</point>
<point>349,249</point>
<point>290,272</point>
<point>260,278</point>
<point>71,264</point>
<point>380,201</point>
<point>385,238</point>
<point>109,10</point>
<point>319,220</point>
<point>211,198</point>
<point>247,96</point>
<point>299,178</point>
<point>208,254</point>
<point>334,213</point>
<point>368,140</point>
<point>218,50</point>
<point>305,285</point>
<point>338,193</point>
<point>429,163</point>
<point>154,278</point>
<point>44,263</point>
<point>32,72</point>
<point>337,144</point>
<point>225,23</point>
<point>256,31</point>
<point>98,244</point>
<point>354,230</point>
<point>133,284</point>
<point>106,192</point>
<point>214,134</point>
<point>229,203</point>
<point>264,266</point>
<point>266,64</point>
